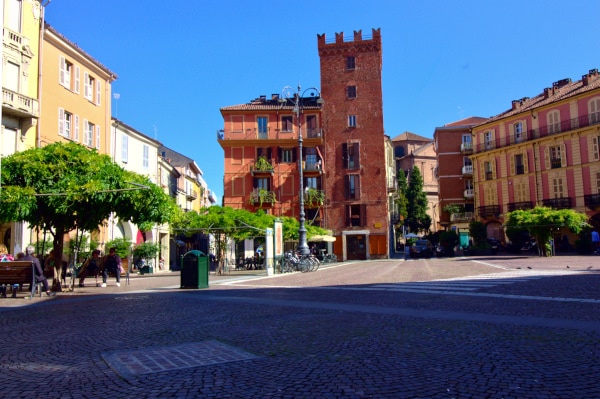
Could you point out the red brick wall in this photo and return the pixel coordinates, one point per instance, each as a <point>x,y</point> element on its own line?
<point>369,132</point>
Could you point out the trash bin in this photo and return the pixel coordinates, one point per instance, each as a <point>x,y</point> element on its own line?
<point>194,270</point>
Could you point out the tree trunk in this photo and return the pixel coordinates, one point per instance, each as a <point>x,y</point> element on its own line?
<point>59,267</point>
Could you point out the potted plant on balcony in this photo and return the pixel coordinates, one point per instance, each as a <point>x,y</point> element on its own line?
<point>262,165</point>
<point>261,196</point>
<point>312,196</point>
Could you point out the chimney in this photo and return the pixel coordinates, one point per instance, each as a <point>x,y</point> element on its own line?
<point>547,92</point>
<point>515,104</point>
<point>275,97</point>
<point>591,76</point>
<point>263,98</point>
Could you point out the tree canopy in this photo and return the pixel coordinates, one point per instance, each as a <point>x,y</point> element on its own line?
<point>418,219</point>
<point>540,221</point>
<point>62,187</point>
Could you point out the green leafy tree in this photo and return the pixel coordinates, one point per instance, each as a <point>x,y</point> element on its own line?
<point>62,187</point>
<point>418,219</point>
<point>478,232</point>
<point>540,220</point>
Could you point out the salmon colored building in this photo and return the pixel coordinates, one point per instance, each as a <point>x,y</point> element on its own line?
<point>260,144</point>
<point>544,150</point>
<point>453,147</point>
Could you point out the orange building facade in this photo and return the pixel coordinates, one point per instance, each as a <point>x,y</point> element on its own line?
<point>260,144</point>
<point>545,151</point>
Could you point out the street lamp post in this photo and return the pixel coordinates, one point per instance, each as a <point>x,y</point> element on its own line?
<point>296,98</point>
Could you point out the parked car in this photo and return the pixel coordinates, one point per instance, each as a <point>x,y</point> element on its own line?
<point>441,250</point>
<point>421,249</point>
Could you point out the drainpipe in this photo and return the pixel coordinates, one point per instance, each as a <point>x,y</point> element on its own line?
<point>38,134</point>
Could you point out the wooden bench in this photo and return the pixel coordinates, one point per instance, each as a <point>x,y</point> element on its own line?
<point>18,272</point>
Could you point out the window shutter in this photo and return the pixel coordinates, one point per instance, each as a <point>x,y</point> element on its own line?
<point>493,164</point>
<point>77,73</point>
<point>512,165</point>
<point>595,148</point>
<point>85,132</point>
<point>76,128</point>
<point>546,157</point>
<point>98,91</point>
<point>348,215</point>
<point>563,155</point>
<point>61,122</point>
<point>347,187</point>
<point>98,137</point>
<point>345,155</point>
<point>525,163</point>
<point>482,171</point>
<point>363,214</point>
<point>62,66</point>
<point>356,156</point>
<point>357,187</point>
<point>86,91</point>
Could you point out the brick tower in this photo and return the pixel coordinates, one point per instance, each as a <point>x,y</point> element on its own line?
<point>356,208</point>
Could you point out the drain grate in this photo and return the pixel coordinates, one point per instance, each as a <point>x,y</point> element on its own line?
<point>134,362</point>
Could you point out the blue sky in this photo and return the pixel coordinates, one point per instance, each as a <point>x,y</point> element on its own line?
<point>443,60</point>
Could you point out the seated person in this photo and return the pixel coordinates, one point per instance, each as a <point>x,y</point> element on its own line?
<point>91,267</point>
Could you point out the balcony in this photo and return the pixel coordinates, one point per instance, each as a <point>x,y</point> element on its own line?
<point>489,176</point>
<point>557,203</point>
<point>520,169</point>
<point>469,193</point>
<point>312,167</point>
<point>262,197</point>
<point>489,211</point>
<point>392,184</point>
<point>513,206</point>
<point>467,170</point>
<point>555,163</point>
<point>191,194</point>
<point>461,217</point>
<point>314,132</point>
<point>313,198</point>
<point>466,148</point>
<point>592,201</point>
<point>544,131</point>
<point>394,217</point>
<point>19,105</point>
<point>261,167</point>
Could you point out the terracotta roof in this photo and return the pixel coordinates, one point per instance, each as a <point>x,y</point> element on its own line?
<point>408,136</point>
<point>273,104</point>
<point>50,28</point>
<point>472,120</point>
<point>560,90</point>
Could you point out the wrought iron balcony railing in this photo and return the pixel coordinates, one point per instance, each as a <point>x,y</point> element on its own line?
<point>592,201</point>
<point>557,203</point>
<point>531,134</point>
<point>489,211</point>
<point>513,206</point>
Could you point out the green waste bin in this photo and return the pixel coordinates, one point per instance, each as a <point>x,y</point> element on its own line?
<point>194,270</point>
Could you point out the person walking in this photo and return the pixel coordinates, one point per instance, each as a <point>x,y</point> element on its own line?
<point>111,264</point>
<point>37,267</point>
<point>596,241</point>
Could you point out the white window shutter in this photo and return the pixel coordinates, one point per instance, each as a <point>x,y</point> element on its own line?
<point>563,155</point>
<point>62,66</point>
<point>77,82</point>
<point>98,137</point>
<point>85,132</point>
<point>86,86</point>
<point>76,128</point>
<point>98,91</point>
<point>547,157</point>
<point>61,121</point>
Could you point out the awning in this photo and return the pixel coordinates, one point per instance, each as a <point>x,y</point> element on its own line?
<point>322,238</point>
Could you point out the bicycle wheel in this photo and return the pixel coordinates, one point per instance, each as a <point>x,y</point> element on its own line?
<point>315,264</point>
<point>304,264</point>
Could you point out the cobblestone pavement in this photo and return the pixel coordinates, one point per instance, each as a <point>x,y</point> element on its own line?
<point>477,327</point>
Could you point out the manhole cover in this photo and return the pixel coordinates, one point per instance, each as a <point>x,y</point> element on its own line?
<point>167,358</point>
